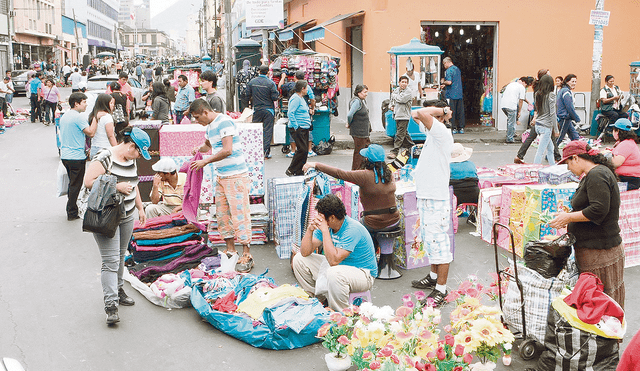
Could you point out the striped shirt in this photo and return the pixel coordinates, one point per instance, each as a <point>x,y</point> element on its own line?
<point>125,172</point>
<point>233,164</point>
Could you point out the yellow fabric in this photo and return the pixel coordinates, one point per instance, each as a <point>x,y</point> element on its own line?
<point>173,196</point>
<point>266,297</point>
<point>571,315</point>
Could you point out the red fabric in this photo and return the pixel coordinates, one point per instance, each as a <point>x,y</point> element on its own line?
<point>226,304</point>
<point>630,360</point>
<point>158,221</point>
<point>591,302</point>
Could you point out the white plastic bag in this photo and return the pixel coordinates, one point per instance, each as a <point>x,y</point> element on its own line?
<point>62,180</point>
<point>280,132</point>
<point>227,264</point>
<point>322,284</point>
<point>174,299</point>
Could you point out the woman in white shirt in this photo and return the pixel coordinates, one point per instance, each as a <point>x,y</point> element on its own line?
<point>105,134</point>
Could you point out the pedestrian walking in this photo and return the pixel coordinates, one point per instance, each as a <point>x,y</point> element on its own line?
<point>75,79</point>
<point>566,109</point>
<point>148,75</point>
<point>359,124</point>
<point>50,99</point>
<point>160,105</point>
<point>401,99</point>
<point>35,91</point>
<point>119,114</point>
<point>511,104</point>
<point>287,89</point>
<point>299,125</point>
<point>105,136</point>
<point>186,95</point>
<point>452,83</point>
<point>262,93</point>
<point>546,119</point>
<point>120,161</point>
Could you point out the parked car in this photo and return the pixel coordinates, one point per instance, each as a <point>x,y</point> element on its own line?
<point>19,78</point>
<point>98,84</point>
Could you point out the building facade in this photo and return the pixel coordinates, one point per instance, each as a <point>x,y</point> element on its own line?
<point>5,36</point>
<point>101,19</point>
<point>491,44</point>
<point>74,41</point>
<point>37,31</point>
<point>148,42</point>
<point>135,13</point>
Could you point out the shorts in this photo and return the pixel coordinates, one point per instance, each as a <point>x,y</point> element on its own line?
<point>435,222</point>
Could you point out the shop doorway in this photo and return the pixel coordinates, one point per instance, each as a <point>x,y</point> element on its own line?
<point>472,47</point>
<point>357,61</point>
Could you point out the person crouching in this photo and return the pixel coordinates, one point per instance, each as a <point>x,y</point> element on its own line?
<point>167,190</point>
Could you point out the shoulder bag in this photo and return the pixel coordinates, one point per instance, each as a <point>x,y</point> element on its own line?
<point>105,206</point>
<point>118,114</point>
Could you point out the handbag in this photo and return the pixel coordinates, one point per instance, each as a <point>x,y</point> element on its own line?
<point>105,206</point>
<point>118,114</point>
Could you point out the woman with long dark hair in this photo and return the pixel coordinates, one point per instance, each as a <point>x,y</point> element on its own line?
<point>546,121</point>
<point>299,125</point>
<point>358,123</point>
<point>161,105</point>
<point>105,134</point>
<point>626,155</point>
<point>119,113</point>
<point>594,219</point>
<point>566,109</point>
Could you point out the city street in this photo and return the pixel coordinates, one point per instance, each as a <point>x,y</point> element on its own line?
<point>51,308</point>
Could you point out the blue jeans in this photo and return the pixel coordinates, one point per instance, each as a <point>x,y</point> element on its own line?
<point>566,127</point>
<point>546,145</point>
<point>112,252</point>
<point>511,123</point>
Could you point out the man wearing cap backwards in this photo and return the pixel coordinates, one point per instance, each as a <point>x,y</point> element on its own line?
<point>119,160</point>
<point>167,190</point>
<point>432,190</point>
<point>232,188</point>
<point>73,128</point>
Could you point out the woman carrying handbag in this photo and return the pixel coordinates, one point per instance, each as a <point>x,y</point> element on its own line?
<point>51,99</point>
<point>120,161</point>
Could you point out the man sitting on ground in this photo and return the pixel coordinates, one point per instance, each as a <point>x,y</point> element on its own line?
<point>348,248</point>
<point>168,189</point>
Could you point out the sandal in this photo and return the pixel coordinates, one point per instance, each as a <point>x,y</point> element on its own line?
<point>245,263</point>
<point>229,254</point>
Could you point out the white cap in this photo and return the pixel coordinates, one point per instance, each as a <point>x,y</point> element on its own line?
<point>165,165</point>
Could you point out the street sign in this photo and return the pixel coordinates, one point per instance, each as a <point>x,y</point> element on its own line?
<point>265,14</point>
<point>599,17</point>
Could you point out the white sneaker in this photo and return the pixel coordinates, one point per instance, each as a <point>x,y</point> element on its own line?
<point>290,154</point>
<point>311,154</point>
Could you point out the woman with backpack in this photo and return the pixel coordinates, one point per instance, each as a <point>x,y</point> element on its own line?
<point>546,122</point>
<point>120,118</point>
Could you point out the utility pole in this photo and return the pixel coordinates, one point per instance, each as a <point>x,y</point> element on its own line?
<point>204,27</point>
<point>228,63</point>
<point>75,31</point>
<point>596,67</point>
<point>11,17</point>
<point>216,57</point>
<point>265,46</point>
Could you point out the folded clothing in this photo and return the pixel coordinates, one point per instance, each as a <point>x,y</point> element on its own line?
<point>158,234</point>
<point>170,240</point>
<point>190,258</point>
<point>160,221</point>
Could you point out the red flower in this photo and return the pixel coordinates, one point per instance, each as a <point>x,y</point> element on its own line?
<point>431,355</point>
<point>459,350</point>
<point>394,358</point>
<point>385,352</point>
<point>449,340</point>
<point>430,367</point>
<point>457,368</point>
<point>343,340</point>
<point>367,355</point>
<point>467,358</point>
<point>441,353</point>
<point>375,365</point>
<point>420,366</point>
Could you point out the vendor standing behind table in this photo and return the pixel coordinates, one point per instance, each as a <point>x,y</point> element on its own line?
<point>186,95</point>
<point>299,125</point>
<point>610,96</point>
<point>209,82</point>
<point>594,220</point>
<point>359,124</point>
<point>168,189</point>
<point>414,82</point>
<point>464,175</point>
<point>160,104</point>
<point>626,155</point>
<point>377,189</point>
<point>401,106</point>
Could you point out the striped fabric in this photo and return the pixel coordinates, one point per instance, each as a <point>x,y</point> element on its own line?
<point>235,163</point>
<point>125,172</point>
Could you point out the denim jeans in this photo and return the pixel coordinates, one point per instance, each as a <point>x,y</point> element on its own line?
<point>566,127</point>
<point>546,145</point>
<point>112,252</point>
<point>511,123</point>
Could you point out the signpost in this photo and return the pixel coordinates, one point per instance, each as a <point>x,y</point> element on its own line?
<point>265,15</point>
<point>598,18</point>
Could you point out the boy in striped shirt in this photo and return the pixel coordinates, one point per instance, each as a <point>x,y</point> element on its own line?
<point>232,188</point>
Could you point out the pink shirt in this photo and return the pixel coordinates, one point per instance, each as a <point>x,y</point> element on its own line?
<point>631,165</point>
<point>124,89</point>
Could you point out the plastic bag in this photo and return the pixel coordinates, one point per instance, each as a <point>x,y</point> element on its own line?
<point>227,264</point>
<point>322,284</point>
<point>325,147</point>
<point>174,300</point>
<point>62,180</point>
<point>548,257</point>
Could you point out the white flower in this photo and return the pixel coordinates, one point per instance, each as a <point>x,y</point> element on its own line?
<point>368,309</point>
<point>473,278</point>
<point>437,319</point>
<point>385,313</point>
<point>396,327</point>
<point>376,325</point>
<point>506,346</point>
<point>418,317</point>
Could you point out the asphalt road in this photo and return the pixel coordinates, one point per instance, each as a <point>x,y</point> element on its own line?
<point>51,309</point>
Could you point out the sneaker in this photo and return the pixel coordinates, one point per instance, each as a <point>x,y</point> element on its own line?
<point>425,283</point>
<point>124,298</point>
<point>112,314</point>
<point>72,217</point>
<point>245,263</point>
<point>436,298</point>
<point>518,160</point>
<point>460,131</point>
<point>290,154</point>
<point>454,131</point>
<point>288,173</point>
<point>392,156</point>
<point>311,154</point>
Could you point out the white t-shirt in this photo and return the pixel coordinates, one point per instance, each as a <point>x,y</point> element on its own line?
<point>413,84</point>
<point>432,172</point>
<point>66,69</point>
<point>4,88</point>
<point>101,140</point>
<point>75,78</point>
<point>603,95</point>
<point>513,93</point>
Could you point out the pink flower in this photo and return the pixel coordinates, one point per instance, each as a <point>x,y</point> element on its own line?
<point>403,311</point>
<point>394,358</point>
<point>473,292</point>
<point>343,340</point>
<point>322,331</point>
<point>457,368</point>
<point>440,353</point>
<point>425,335</point>
<point>465,285</point>
<point>348,311</point>
<point>342,321</point>
<point>406,298</point>
<point>410,304</point>
<point>335,316</point>
<point>404,335</point>
<point>449,340</point>
<point>375,365</point>
<point>467,358</point>
<point>385,352</point>
<point>420,366</point>
<point>459,350</point>
<point>367,355</point>
<point>448,328</point>
<point>431,355</point>
<point>408,361</point>
<point>430,367</point>
<point>420,295</point>
<point>453,296</point>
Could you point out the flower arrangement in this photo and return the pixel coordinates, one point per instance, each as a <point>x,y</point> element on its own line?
<point>410,337</point>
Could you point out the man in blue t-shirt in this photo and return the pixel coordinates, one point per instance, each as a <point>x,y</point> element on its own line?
<point>348,250</point>
<point>452,80</point>
<point>73,128</point>
<point>35,91</point>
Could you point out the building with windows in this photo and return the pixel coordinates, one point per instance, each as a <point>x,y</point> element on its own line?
<point>5,39</point>
<point>101,19</point>
<point>148,42</point>
<point>36,29</point>
<point>135,13</point>
<point>74,41</point>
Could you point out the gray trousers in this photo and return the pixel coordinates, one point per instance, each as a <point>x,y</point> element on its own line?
<point>112,252</point>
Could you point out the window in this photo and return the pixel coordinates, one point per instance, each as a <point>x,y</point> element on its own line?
<point>103,8</point>
<point>154,39</point>
<point>144,39</point>
<point>100,31</point>
<point>4,6</point>
<point>38,8</point>
<point>126,39</point>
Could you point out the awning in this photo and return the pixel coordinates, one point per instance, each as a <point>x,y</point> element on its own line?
<point>287,33</point>
<point>317,32</point>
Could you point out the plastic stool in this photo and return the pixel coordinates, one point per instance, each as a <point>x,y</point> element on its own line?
<point>357,298</point>
<point>387,269</point>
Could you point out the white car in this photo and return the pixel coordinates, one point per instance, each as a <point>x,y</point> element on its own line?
<point>98,84</point>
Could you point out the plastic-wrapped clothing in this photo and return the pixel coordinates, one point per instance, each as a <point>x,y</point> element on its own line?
<point>225,304</point>
<point>296,313</point>
<point>266,297</point>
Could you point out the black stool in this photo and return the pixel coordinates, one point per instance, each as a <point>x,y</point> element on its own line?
<point>387,269</point>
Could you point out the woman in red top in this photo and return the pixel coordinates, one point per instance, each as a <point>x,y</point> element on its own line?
<point>626,155</point>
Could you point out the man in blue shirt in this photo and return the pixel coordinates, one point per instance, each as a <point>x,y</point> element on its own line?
<point>35,90</point>
<point>453,82</point>
<point>348,250</point>
<point>262,92</point>
<point>185,96</point>
<point>73,128</point>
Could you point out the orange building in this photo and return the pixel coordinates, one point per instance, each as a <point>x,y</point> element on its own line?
<point>491,42</point>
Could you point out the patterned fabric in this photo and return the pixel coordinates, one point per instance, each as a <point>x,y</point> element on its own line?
<point>233,164</point>
<point>302,214</point>
<point>435,219</point>
<point>232,208</point>
<point>629,221</point>
<point>282,199</point>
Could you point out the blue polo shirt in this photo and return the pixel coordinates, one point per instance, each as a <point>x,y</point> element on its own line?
<point>355,238</point>
<point>454,91</point>
<point>34,85</point>
<point>184,98</point>
<point>72,138</point>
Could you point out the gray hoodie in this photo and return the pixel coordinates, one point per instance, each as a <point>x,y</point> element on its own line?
<point>401,101</point>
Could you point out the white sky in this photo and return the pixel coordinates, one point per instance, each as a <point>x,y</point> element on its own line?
<point>157,6</point>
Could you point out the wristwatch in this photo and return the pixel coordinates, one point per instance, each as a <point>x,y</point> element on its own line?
<point>445,110</point>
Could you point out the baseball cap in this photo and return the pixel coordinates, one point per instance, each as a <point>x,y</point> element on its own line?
<point>373,153</point>
<point>165,165</point>
<point>142,140</point>
<point>576,147</point>
<point>622,124</point>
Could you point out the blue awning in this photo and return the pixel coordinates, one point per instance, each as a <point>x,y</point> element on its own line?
<point>415,47</point>
<point>287,33</point>
<point>317,32</point>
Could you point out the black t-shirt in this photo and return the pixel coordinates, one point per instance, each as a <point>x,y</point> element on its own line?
<point>598,197</point>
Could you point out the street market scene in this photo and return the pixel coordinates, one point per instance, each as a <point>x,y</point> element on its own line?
<point>305,184</point>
